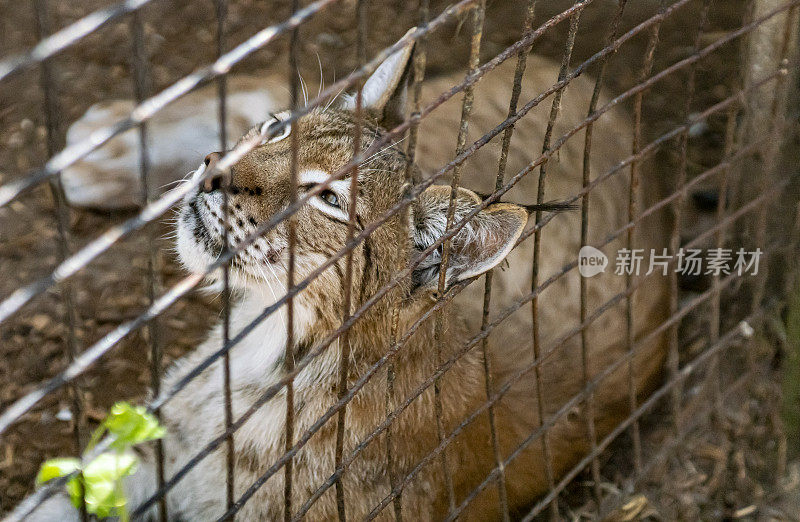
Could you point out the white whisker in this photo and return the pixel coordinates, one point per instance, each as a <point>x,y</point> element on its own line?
<point>374,138</point>
<point>172,183</point>
<point>335,97</point>
<point>383,150</point>
<point>321,78</point>
<point>303,88</point>
<point>275,297</point>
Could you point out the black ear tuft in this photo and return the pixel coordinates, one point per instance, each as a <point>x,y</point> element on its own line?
<point>550,206</point>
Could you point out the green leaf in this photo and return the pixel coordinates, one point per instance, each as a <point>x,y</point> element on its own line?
<point>102,478</point>
<point>99,485</point>
<point>55,468</point>
<point>132,425</point>
<point>75,490</point>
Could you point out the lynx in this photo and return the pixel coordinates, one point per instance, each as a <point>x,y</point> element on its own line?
<point>260,188</point>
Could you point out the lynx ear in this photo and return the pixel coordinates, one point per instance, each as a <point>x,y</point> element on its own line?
<point>386,91</point>
<point>478,247</point>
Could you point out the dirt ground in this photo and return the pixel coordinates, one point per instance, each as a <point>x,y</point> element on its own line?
<point>724,470</point>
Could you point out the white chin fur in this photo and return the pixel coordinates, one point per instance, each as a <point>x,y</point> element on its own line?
<point>195,258</point>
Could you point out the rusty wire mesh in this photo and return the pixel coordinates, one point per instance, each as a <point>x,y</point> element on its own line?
<point>752,138</point>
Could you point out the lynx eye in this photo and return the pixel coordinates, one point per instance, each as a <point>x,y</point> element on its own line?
<point>330,197</point>
<point>275,130</point>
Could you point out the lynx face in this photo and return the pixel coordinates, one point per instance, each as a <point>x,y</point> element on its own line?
<point>260,188</point>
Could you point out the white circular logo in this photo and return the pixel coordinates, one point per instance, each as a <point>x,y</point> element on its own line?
<point>591,261</point>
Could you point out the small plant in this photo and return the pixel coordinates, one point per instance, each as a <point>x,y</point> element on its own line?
<point>97,482</point>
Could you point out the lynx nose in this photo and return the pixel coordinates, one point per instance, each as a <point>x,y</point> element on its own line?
<point>214,181</point>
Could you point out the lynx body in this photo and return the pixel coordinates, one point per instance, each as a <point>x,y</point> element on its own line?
<point>260,188</point>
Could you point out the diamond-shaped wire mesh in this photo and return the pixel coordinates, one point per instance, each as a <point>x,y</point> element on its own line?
<point>659,128</point>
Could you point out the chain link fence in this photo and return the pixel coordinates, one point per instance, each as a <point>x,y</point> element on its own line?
<point>699,95</point>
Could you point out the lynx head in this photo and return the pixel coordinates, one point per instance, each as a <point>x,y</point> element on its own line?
<point>260,186</point>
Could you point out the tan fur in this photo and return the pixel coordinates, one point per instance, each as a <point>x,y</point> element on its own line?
<point>261,188</point>
<point>559,304</point>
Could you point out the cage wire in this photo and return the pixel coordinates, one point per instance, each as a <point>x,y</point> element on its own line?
<point>750,172</point>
